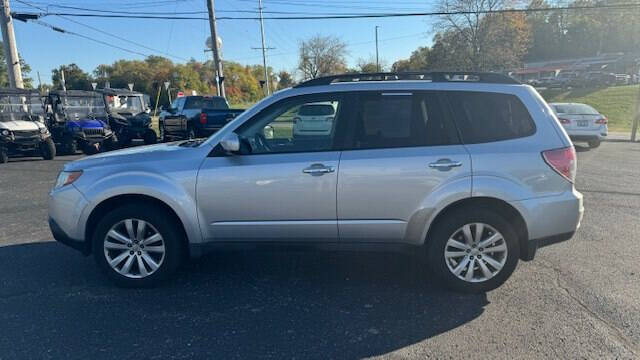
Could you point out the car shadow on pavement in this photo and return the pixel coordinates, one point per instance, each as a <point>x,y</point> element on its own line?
<point>228,305</point>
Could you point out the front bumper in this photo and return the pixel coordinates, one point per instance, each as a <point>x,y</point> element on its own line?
<point>65,239</point>
<point>66,209</point>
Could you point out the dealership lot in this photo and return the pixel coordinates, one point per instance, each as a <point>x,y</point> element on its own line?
<point>577,299</point>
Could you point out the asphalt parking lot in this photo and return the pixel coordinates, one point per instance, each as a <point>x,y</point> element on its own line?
<point>578,299</point>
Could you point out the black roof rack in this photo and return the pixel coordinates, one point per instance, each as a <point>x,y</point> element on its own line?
<point>116,91</point>
<point>15,91</point>
<point>74,93</point>
<point>438,76</point>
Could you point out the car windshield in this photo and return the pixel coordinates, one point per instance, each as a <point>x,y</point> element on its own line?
<point>20,104</point>
<point>125,104</point>
<point>316,110</point>
<point>575,109</point>
<point>83,106</point>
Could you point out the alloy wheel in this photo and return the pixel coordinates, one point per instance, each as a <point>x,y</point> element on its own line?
<point>134,248</point>
<point>475,252</point>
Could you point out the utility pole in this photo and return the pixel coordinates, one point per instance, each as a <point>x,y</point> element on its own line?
<point>216,50</point>
<point>636,118</point>
<point>377,58</point>
<point>264,51</point>
<point>64,82</point>
<point>10,50</point>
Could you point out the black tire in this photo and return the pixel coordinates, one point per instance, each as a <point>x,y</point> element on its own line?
<point>69,147</point>
<point>170,232</point>
<point>446,227</point>
<point>191,133</point>
<point>48,149</point>
<point>4,155</point>
<point>150,137</point>
<point>89,149</point>
<point>594,143</point>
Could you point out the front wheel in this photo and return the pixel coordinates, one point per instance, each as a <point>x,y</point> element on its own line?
<point>136,246</point>
<point>91,149</point>
<point>69,146</point>
<point>48,149</point>
<point>150,137</point>
<point>594,143</point>
<point>473,250</point>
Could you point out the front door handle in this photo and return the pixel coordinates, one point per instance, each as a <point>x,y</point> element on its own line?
<point>318,169</point>
<point>444,164</point>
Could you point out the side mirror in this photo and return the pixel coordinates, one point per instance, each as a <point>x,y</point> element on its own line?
<point>231,143</point>
<point>148,111</point>
<point>268,132</point>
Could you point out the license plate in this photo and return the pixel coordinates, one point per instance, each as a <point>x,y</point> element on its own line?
<point>583,123</point>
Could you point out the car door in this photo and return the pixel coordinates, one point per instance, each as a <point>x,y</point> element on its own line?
<point>280,186</point>
<point>173,121</point>
<point>404,148</point>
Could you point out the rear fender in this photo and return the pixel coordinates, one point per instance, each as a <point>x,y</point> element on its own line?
<point>432,205</point>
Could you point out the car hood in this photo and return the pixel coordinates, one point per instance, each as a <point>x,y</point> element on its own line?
<point>87,123</point>
<point>140,154</point>
<point>19,125</point>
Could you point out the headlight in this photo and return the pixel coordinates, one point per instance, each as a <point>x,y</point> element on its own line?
<point>43,130</point>
<point>5,132</point>
<point>66,178</point>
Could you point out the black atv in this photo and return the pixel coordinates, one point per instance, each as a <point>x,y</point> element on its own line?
<point>22,127</point>
<point>77,119</point>
<point>129,116</point>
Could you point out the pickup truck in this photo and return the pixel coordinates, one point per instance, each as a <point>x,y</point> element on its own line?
<point>191,117</point>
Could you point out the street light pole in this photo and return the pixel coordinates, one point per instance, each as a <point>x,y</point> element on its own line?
<point>11,52</point>
<point>216,50</point>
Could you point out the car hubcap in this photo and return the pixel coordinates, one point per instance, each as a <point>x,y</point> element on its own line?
<point>475,252</point>
<point>134,248</point>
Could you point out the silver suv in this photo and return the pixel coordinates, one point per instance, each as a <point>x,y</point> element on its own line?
<point>471,170</point>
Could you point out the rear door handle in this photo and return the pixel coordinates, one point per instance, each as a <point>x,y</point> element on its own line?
<point>318,169</point>
<point>444,164</point>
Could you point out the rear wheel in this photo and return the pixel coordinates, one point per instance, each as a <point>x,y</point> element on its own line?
<point>4,155</point>
<point>48,149</point>
<point>594,143</point>
<point>136,246</point>
<point>473,250</point>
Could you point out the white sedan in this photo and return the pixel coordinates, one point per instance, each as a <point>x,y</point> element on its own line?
<point>314,119</point>
<point>582,122</point>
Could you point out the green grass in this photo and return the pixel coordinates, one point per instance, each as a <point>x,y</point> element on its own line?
<point>617,103</point>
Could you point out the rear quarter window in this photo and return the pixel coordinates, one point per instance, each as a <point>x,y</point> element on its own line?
<point>483,117</point>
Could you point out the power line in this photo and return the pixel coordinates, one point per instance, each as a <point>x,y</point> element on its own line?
<point>109,34</point>
<point>63,31</point>
<point>359,16</point>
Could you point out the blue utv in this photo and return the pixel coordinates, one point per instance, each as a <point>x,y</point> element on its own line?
<point>77,120</point>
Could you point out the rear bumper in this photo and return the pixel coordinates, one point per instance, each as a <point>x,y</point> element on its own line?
<point>550,219</point>
<point>529,251</point>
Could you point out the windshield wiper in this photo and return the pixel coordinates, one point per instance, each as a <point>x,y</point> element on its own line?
<point>191,143</point>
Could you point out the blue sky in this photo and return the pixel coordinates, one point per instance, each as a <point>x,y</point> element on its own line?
<point>45,49</point>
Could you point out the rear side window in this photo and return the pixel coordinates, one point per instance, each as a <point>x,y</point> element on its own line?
<point>487,117</point>
<point>400,120</point>
<point>214,103</point>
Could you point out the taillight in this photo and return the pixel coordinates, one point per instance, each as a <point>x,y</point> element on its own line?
<point>563,161</point>
<point>296,119</point>
<point>564,121</point>
<point>203,118</point>
<point>602,121</point>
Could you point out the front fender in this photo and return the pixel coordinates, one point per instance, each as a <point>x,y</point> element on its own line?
<point>178,197</point>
